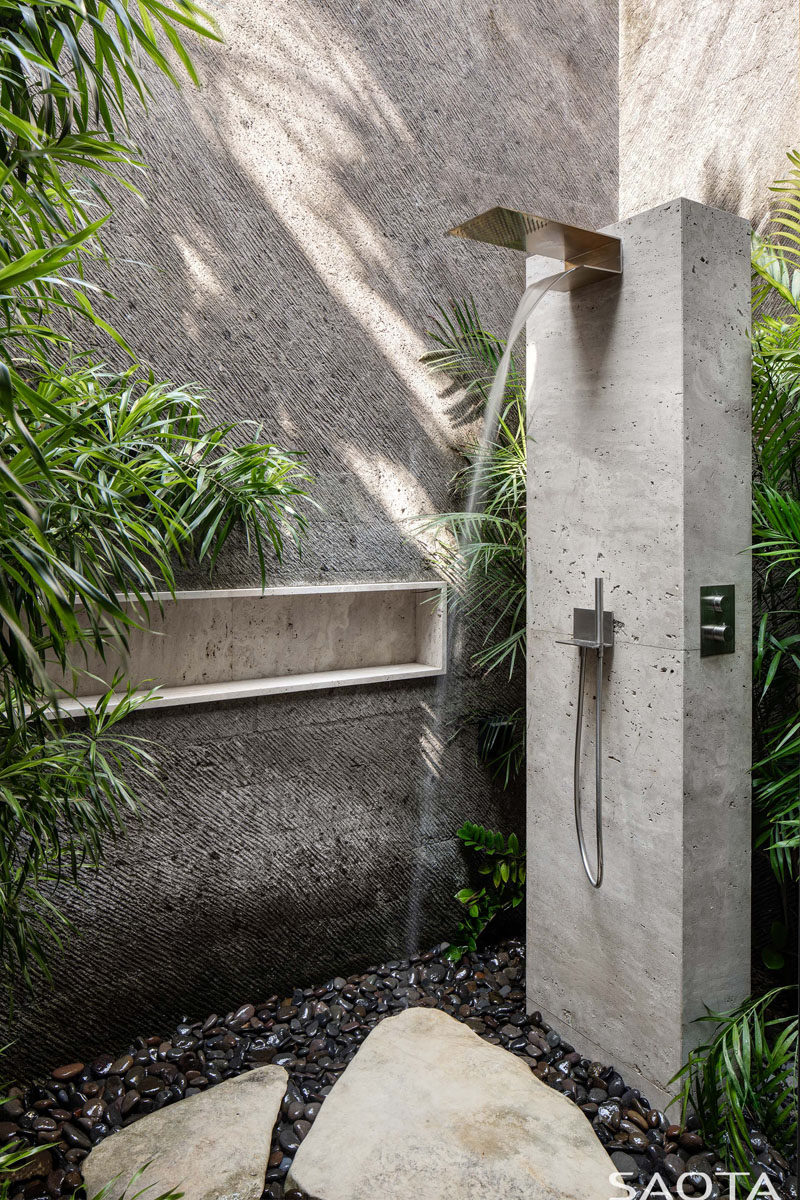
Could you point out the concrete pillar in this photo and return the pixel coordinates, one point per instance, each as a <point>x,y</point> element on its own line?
<point>639,471</point>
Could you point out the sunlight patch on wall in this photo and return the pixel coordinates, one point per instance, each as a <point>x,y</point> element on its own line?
<point>400,493</point>
<point>301,111</point>
<point>202,274</point>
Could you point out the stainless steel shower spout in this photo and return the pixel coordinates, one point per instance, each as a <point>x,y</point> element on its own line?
<point>588,256</point>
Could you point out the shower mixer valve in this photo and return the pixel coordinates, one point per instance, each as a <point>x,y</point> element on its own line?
<point>592,629</point>
<point>717,620</point>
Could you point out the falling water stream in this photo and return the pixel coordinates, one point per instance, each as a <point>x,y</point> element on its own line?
<point>434,739</point>
<point>531,298</point>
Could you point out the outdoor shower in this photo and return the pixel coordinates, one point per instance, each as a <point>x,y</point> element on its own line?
<point>588,257</point>
<point>639,411</point>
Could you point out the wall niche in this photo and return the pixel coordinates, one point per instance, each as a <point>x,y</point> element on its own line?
<point>202,646</point>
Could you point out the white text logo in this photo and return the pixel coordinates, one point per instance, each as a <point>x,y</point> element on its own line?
<point>658,1187</point>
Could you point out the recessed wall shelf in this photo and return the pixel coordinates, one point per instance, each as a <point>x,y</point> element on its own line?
<point>230,644</point>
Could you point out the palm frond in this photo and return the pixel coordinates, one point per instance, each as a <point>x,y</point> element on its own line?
<point>482,552</point>
<point>785,224</point>
<point>776,412</point>
<point>744,1077</point>
<point>501,744</point>
<point>466,351</point>
<point>776,530</point>
<point>66,71</point>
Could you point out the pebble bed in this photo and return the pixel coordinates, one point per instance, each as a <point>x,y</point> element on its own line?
<point>314,1033</point>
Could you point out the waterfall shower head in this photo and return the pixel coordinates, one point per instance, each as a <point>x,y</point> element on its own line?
<point>589,256</point>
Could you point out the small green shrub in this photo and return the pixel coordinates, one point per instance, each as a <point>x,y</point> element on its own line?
<point>744,1076</point>
<point>502,863</point>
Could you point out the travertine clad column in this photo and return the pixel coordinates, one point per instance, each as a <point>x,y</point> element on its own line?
<point>639,471</point>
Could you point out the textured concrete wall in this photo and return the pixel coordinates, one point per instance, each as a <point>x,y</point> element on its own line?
<point>293,224</point>
<point>709,100</point>
<point>640,473</point>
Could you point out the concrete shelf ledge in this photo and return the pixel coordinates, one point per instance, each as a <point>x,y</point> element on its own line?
<point>230,644</point>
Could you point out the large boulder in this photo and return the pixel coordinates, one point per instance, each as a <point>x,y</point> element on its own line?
<point>213,1146</point>
<point>430,1110</point>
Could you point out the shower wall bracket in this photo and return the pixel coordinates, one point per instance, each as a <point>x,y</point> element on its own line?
<point>587,255</point>
<point>584,629</point>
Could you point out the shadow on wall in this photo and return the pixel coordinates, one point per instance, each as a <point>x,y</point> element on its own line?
<point>722,183</point>
<point>294,214</point>
<point>699,115</point>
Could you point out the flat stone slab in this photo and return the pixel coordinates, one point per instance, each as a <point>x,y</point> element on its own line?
<point>213,1146</point>
<point>430,1110</point>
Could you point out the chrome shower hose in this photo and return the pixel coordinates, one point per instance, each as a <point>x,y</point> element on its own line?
<point>595,877</point>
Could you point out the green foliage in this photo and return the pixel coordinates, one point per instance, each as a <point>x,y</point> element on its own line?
<point>501,744</point>
<point>65,71</point>
<point>502,864</point>
<point>469,355</point>
<point>744,1076</point>
<point>482,553</point>
<point>776,529</point>
<point>63,791</point>
<point>106,478</point>
<point>776,255</point>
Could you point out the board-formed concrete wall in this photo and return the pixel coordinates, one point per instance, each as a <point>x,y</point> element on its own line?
<point>292,222</point>
<point>709,101</point>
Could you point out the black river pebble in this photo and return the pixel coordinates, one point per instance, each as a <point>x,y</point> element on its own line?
<point>314,1033</point>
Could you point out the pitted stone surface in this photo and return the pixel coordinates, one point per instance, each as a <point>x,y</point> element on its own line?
<point>427,1109</point>
<point>213,1146</point>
